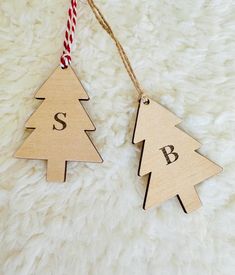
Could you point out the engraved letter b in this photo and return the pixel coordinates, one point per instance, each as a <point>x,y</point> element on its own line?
<point>167,153</point>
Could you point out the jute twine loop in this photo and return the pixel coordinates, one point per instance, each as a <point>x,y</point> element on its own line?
<point>99,16</point>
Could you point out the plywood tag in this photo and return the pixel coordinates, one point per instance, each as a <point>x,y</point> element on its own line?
<point>169,157</point>
<point>60,124</point>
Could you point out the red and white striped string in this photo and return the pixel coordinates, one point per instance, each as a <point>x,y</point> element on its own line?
<point>66,59</point>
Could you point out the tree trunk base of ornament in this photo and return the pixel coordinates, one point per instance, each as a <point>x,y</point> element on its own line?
<point>189,200</point>
<point>56,170</point>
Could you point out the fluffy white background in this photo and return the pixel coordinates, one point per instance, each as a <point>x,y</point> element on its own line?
<point>183,53</point>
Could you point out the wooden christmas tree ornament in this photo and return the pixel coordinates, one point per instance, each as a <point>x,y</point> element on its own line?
<point>60,125</point>
<point>168,155</point>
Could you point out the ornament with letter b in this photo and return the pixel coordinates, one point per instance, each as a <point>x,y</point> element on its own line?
<point>169,157</point>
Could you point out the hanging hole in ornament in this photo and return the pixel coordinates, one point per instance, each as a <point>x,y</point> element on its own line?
<point>145,100</point>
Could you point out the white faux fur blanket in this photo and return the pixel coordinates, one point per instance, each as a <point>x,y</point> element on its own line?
<point>183,54</point>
